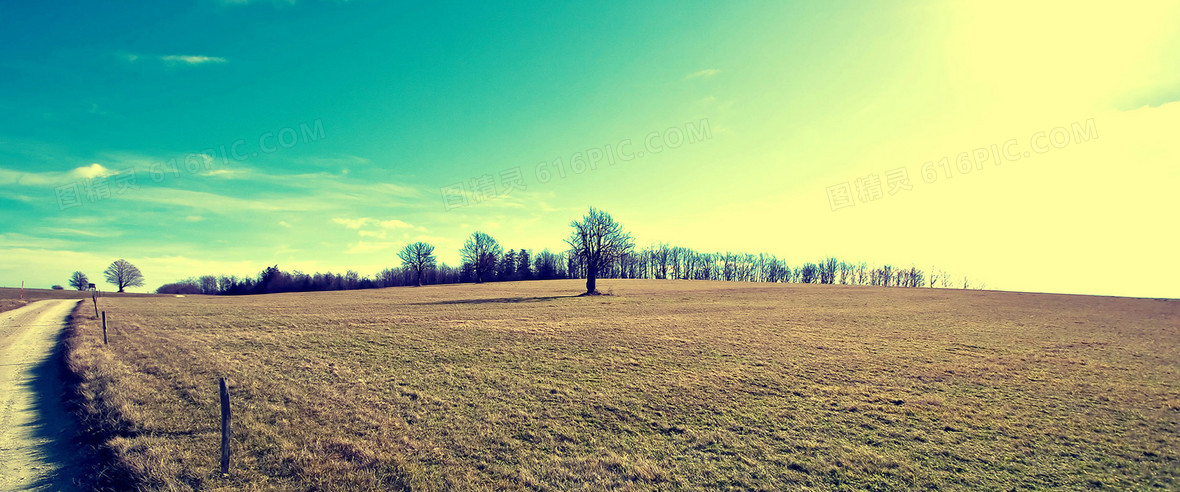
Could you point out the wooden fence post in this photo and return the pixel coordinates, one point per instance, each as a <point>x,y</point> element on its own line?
<point>225,417</point>
<point>94,298</point>
<point>104,327</point>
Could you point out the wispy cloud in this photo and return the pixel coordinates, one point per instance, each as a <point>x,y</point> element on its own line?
<point>46,178</point>
<point>220,203</point>
<point>16,197</point>
<point>364,221</point>
<point>225,173</point>
<point>368,246</point>
<point>352,223</point>
<point>96,110</point>
<point>192,59</point>
<point>708,72</point>
<point>395,224</point>
<point>65,231</point>
<point>173,60</point>
<point>18,240</point>
<point>373,228</point>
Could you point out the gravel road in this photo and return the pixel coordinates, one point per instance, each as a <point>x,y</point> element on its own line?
<point>37,448</point>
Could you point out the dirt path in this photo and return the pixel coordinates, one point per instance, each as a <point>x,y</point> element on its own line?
<point>37,451</point>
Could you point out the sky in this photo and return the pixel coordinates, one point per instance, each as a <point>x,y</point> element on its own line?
<point>1029,147</point>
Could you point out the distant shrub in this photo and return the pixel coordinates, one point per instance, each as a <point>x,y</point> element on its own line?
<point>58,287</point>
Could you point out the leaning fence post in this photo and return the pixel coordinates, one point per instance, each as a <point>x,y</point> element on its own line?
<point>224,427</point>
<point>104,327</point>
<point>94,298</point>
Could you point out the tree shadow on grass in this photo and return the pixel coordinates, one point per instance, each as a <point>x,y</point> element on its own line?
<point>496,300</point>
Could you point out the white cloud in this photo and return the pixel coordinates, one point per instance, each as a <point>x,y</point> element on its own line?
<point>391,224</point>
<point>352,223</point>
<point>367,227</point>
<point>708,72</point>
<point>52,178</point>
<point>395,224</point>
<point>94,109</point>
<point>192,59</point>
<point>172,60</point>
<point>94,170</point>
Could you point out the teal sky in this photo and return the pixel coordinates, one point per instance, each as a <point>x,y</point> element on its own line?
<point>342,124</point>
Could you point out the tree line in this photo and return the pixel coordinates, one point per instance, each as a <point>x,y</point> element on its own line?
<point>508,266</point>
<point>599,247</point>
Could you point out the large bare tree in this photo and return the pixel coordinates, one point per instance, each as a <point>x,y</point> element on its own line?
<point>123,274</point>
<point>418,258</point>
<point>598,240</point>
<point>481,251</point>
<point>79,281</point>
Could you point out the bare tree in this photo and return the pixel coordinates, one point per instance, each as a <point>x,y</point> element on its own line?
<point>123,274</point>
<point>226,283</point>
<point>827,271</point>
<point>352,280</point>
<point>79,281</point>
<point>846,272</point>
<point>598,240</point>
<point>208,284</point>
<point>481,252</point>
<point>809,273</point>
<point>417,257</point>
<point>659,255</point>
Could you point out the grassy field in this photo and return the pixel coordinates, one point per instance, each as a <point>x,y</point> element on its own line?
<point>11,298</point>
<point>662,385</point>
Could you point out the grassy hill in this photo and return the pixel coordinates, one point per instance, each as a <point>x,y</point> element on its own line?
<point>664,384</point>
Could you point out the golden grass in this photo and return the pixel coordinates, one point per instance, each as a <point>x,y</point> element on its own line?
<point>666,384</point>
<point>10,297</point>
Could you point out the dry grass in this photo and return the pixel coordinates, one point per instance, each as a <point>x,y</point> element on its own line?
<point>663,385</point>
<point>10,298</point>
